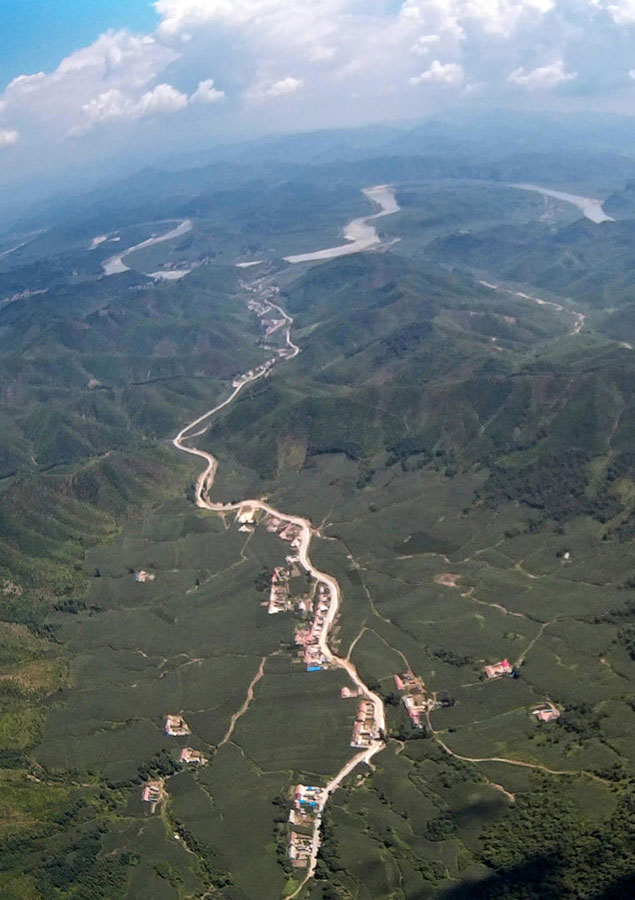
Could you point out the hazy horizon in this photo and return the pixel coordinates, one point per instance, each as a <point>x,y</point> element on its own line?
<point>116,85</point>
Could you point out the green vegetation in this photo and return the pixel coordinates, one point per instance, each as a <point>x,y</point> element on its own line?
<point>469,461</point>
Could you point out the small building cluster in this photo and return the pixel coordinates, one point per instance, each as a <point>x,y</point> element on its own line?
<point>175,726</point>
<point>549,713</point>
<point>258,372</point>
<point>192,757</point>
<point>306,804</point>
<point>263,308</point>
<point>307,800</point>
<point>497,670</point>
<point>313,608</point>
<point>153,793</point>
<point>271,325</point>
<point>413,697</point>
<point>142,576</point>
<point>288,531</point>
<point>307,797</point>
<point>308,637</point>
<point>299,849</point>
<point>259,308</point>
<point>246,517</point>
<point>260,304</point>
<point>364,729</point>
<point>346,693</point>
<point>280,599</point>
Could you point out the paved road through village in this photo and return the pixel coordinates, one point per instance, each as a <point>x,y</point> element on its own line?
<point>384,196</point>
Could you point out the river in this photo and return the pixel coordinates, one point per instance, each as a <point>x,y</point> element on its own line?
<point>115,265</point>
<point>591,209</point>
<point>360,233</point>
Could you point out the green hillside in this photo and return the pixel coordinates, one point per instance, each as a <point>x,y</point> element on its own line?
<point>465,454</point>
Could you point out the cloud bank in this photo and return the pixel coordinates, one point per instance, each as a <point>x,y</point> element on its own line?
<point>223,67</point>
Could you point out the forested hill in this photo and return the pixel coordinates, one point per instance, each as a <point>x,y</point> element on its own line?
<point>402,358</point>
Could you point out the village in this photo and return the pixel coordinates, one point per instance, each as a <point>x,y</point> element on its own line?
<point>365,729</point>
<point>310,601</point>
<point>414,697</point>
<point>262,305</point>
<point>312,606</point>
<point>253,374</point>
<point>307,802</point>
<point>308,638</point>
<point>296,586</point>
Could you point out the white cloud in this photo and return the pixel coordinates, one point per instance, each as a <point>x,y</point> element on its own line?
<point>472,87</point>
<point>115,104</point>
<point>437,17</point>
<point>421,46</point>
<point>288,85</point>
<point>440,73</point>
<point>265,35</point>
<point>178,16</point>
<point>498,18</point>
<point>8,137</point>
<point>265,88</point>
<point>116,51</point>
<point>622,11</point>
<point>25,84</point>
<point>161,99</point>
<point>543,77</point>
<point>502,17</point>
<point>631,74</point>
<point>116,58</point>
<point>207,93</point>
<point>104,80</point>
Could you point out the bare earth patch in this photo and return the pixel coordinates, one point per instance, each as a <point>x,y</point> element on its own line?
<point>447,579</point>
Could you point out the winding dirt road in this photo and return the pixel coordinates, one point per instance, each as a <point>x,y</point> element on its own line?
<point>204,483</point>
<point>513,762</point>
<point>579,317</point>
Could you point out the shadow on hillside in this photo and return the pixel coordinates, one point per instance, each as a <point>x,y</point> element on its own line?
<point>537,878</point>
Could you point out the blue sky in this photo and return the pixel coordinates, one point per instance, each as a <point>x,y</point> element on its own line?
<point>87,82</point>
<point>37,34</point>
